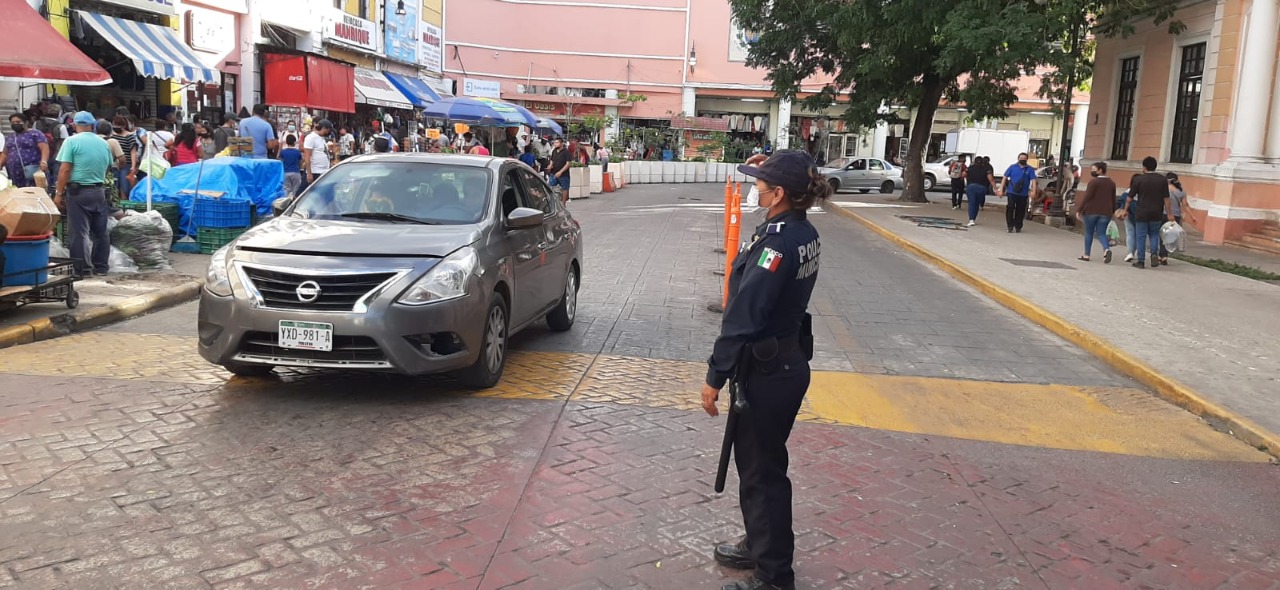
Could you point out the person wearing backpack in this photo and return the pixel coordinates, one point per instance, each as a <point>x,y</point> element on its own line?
<point>957,171</point>
<point>1019,185</point>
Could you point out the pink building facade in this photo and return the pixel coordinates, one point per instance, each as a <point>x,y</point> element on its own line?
<point>567,59</point>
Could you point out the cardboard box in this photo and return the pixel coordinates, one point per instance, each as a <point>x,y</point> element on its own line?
<point>27,211</point>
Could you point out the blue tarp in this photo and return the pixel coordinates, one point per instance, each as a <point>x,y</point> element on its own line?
<point>240,179</point>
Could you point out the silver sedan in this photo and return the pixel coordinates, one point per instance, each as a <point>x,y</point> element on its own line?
<point>863,174</point>
<point>413,263</point>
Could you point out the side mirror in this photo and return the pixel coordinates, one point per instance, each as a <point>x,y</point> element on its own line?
<point>524,218</point>
<point>279,205</point>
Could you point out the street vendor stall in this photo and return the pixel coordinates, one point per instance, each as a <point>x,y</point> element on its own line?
<point>35,54</point>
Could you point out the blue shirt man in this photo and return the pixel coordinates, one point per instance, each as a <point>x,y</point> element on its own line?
<point>1020,179</point>
<point>263,134</point>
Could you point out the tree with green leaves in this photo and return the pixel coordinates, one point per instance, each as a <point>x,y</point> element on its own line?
<point>915,53</point>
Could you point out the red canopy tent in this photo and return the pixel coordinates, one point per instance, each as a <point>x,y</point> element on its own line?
<point>35,52</point>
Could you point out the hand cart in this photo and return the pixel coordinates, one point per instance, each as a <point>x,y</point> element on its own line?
<point>58,285</point>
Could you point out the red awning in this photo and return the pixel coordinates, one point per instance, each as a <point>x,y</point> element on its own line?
<point>35,52</point>
<point>308,81</point>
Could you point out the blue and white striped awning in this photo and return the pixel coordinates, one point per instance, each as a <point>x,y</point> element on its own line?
<point>155,50</point>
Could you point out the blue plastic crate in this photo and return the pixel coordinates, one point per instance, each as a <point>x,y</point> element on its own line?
<point>211,212</point>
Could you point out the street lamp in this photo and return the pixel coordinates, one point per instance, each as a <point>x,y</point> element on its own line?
<point>400,11</point>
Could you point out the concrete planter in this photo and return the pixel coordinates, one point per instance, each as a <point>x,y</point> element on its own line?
<point>578,183</point>
<point>595,178</point>
<point>646,171</point>
<point>689,171</point>
<point>668,172</point>
<point>699,171</point>
<point>615,177</point>
<point>620,170</point>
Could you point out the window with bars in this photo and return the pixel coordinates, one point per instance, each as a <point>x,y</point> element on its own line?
<point>1124,108</point>
<point>1186,113</point>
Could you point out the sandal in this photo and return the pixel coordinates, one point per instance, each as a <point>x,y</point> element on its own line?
<point>1106,257</point>
<point>1084,258</point>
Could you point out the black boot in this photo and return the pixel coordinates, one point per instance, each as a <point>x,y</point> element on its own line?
<point>754,583</point>
<point>736,556</point>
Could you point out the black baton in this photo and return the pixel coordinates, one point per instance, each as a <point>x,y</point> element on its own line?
<point>737,405</point>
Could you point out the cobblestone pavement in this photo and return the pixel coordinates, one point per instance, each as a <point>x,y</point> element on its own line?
<point>926,457</point>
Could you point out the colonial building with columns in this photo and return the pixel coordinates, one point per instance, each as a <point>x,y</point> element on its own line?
<point>1205,104</point>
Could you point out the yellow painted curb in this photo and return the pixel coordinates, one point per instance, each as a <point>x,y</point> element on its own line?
<point>93,317</point>
<point>1167,388</point>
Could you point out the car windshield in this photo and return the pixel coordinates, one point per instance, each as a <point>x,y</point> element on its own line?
<point>391,192</point>
<point>943,159</point>
<point>838,163</point>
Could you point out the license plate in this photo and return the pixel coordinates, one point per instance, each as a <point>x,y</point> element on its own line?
<point>306,336</point>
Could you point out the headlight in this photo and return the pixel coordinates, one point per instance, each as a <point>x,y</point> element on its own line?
<point>216,280</point>
<point>446,280</point>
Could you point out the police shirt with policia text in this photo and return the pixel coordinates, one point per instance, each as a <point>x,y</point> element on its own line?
<point>769,289</point>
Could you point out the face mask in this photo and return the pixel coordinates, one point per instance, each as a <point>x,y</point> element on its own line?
<point>18,127</point>
<point>1022,162</point>
<point>292,128</point>
<point>1093,173</point>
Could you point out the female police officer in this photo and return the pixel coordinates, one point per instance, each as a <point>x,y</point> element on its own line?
<point>765,326</point>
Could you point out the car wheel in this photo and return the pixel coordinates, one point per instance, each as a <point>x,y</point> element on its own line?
<point>835,185</point>
<point>864,190</point>
<point>248,370</point>
<point>561,318</point>
<point>929,182</point>
<point>487,369</point>
<point>887,187</point>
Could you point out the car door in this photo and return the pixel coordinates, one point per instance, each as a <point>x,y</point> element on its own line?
<point>877,172</point>
<point>556,247</point>
<point>526,251</point>
<point>856,173</point>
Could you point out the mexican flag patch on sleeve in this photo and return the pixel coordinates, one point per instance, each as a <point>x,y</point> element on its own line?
<point>769,259</point>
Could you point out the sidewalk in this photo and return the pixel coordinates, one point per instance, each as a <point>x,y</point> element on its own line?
<point>1203,339</point>
<point>104,300</point>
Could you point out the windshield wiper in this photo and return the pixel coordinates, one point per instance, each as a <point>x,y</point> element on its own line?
<point>384,216</point>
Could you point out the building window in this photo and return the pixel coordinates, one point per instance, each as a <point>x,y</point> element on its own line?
<point>1186,112</point>
<point>1124,109</point>
<point>364,9</point>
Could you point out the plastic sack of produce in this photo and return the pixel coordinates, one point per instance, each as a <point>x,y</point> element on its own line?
<point>1113,232</point>
<point>57,250</point>
<point>1173,236</point>
<point>119,262</point>
<point>145,238</point>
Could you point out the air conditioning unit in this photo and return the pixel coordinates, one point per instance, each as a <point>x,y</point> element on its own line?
<point>522,89</point>
<point>571,92</point>
<point>611,94</point>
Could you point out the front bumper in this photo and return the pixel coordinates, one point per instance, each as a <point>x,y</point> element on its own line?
<point>387,336</point>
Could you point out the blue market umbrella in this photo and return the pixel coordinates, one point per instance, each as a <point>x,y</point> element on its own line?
<point>514,114</point>
<point>545,124</point>
<point>466,110</point>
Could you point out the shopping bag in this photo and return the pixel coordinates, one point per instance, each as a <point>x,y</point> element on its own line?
<point>1113,232</point>
<point>154,165</point>
<point>1172,235</point>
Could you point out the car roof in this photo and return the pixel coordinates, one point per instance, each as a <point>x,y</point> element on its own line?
<point>427,158</point>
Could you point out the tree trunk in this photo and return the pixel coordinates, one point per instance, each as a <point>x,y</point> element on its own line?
<point>921,129</point>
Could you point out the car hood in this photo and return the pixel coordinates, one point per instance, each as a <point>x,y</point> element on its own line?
<point>357,237</point>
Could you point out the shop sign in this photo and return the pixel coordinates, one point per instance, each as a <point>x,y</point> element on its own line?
<point>351,30</point>
<point>431,48</point>
<point>481,88</point>
<point>166,7</point>
<point>236,6</point>
<point>704,136</point>
<point>401,33</point>
<point>210,30</point>
<point>544,108</point>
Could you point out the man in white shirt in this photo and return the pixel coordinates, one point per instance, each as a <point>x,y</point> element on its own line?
<point>315,153</point>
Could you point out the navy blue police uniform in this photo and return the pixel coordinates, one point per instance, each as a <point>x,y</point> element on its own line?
<point>769,289</point>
